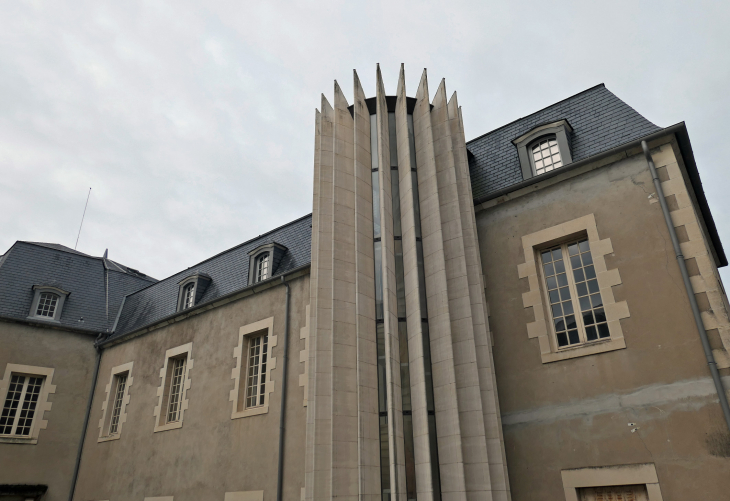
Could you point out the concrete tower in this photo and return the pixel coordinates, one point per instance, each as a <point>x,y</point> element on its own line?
<point>402,400</point>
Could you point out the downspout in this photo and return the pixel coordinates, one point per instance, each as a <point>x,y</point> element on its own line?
<point>282,413</point>
<point>688,287</point>
<point>86,418</point>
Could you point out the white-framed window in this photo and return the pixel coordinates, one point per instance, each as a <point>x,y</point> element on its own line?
<point>47,303</point>
<point>20,405</point>
<point>262,267</point>
<point>258,350</point>
<point>172,393</point>
<point>574,297</point>
<point>24,394</point>
<point>545,155</point>
<point>254,364</point>
<point>114,406</point>
<point>175,393</point>
<point>188,296</point>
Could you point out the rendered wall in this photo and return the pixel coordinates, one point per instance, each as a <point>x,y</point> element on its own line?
<point>211,454</point>
<point>652,402</point>
<point>51,461</point>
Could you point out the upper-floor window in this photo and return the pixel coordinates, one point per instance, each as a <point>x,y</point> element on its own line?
<point>172,392</point>
<point>121,384</point>
<point>188,296</point>
<point>258,351</point>
<point>114,406</point>
<point>544,148</point>
<point>174,399</point>
<point>262,267</point>
<point>545,155</point>
<point>573,294</point>
<point>20,405</point>
<point>47,303</point>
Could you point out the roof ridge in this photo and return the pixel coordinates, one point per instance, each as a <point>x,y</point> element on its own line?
<point>538,111</point>
<point>222,252</point>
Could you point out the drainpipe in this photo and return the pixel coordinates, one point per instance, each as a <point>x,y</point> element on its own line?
<point>282,413</point>
<point>688,287</point>
<point>86,418</point>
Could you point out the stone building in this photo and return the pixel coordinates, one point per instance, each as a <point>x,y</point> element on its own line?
<point>534,314</point>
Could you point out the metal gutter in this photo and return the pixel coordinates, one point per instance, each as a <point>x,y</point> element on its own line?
<point>688,287</point>
<point>680,132</point>
<point>203,307</point>
<point>282,413</point>
<point>75,476</point>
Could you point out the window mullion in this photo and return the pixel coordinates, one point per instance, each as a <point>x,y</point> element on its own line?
<point>574,295</point>
<point>19,408</point>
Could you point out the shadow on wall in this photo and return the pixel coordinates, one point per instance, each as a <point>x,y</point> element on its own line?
<point>718,443</point>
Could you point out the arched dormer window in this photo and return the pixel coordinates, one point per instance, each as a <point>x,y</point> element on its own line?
<point>47,303</point>
<point>545,155</point>
<point>544,148</point>
<point>264,261</point>
<point>191,291</point>
<point>262,267</point>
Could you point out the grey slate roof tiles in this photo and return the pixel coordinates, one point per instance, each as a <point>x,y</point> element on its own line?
<point>600,121</point>
<point>29,263</point>
<point>228,271</point>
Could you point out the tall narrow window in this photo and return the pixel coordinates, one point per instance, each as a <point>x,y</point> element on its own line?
<point>256,374</point>
<point>20,404</point>
<point>121,384</point>
<point>573,294</point>
<point>546,155</point>
<point>188,296</point>
<point>47,305</point>
<point>262,267</point>
<point>176,387</point>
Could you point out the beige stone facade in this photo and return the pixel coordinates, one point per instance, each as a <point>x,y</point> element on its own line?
<point>422,346</point>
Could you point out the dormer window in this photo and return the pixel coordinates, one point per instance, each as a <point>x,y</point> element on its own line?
<point>188,296</point>
<point>544,148</point>
<point>192,289</point>
<point>47,303</point>
<point>262,267</point>
<point>545,155</point>
<point>264,261</point>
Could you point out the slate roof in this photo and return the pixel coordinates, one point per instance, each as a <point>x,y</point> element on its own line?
<point>600,121</point>
<point>228,271</point>
<point>27,264</point>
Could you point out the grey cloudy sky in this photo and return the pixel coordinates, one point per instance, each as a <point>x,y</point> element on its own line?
<point>193,121</point>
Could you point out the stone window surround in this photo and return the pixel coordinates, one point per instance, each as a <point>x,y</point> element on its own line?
<point>42,406</point>
<point>159,413</point>
<point>108,403</point>
<point>244,496</point>
<point>605,476</point>
<point>560,129</point>
<point>159,498</point>
<point>240,354</point>
<point>541,328</point>
<point>254,254</point>
<point>304,356</point>
<point>200,281</point>
<point>38,290</point>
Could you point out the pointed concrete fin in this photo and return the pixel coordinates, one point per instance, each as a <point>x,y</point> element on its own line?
<point>317,126</point>
<point>453,106</point>
<point>380,87</point>
<point>439,99</point>
<point>340,99</point>
<point>358,92</point>
<point>401,92</point>
<point>106,253</point>
<point>422,92</point>
<point>327,112</point>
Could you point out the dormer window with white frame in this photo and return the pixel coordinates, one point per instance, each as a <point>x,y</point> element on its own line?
<point>264,261</point>
<point>47,303</point>
<point>544,148</point>
<point>192,289</point>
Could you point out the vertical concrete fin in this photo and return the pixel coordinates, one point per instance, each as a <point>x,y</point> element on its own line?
<point>367,399</point>
<point>453,106</point>
<point>395,428</point>
<point>344,417</point>
<point>422,92</point>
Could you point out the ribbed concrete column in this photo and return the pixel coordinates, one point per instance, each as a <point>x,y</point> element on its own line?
<point>457,450</point>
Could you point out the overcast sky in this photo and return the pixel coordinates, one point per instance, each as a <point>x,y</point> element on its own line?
<point>193,122</point>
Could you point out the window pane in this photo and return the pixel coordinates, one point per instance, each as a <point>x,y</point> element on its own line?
<point>573,337</point>
<point>603,331</point>
<point>562,280</point>
<point>562,339</point>
<point>568,307</point>
<point>578,275</point>
<point>554,296</point>
<point>559,266</point>
<point>549,270</point>
<point>557,254</point>
<point>591,334</point>
<point>565,293</point>
<point>546,257</point>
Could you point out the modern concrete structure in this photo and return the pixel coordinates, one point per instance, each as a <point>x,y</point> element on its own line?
<point>504,318</point>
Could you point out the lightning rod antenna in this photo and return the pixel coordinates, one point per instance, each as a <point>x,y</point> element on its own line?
<point>82,219</point>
